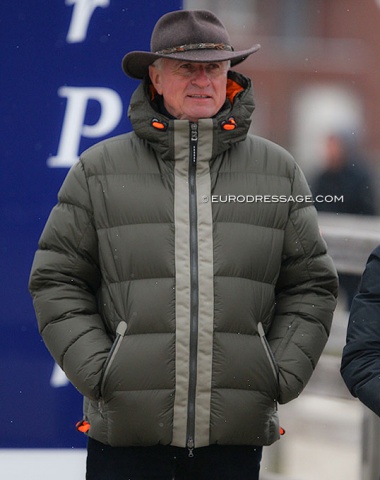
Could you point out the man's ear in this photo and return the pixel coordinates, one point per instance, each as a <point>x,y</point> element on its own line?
<point>155,78</point>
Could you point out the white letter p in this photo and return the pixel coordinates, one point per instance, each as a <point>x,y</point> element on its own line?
<point>73,125</point>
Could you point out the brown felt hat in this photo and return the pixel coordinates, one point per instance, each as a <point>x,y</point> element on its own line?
<point>191,35</point>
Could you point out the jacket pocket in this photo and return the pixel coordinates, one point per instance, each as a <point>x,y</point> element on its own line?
<point>120,332</point>
<point>268,350</point>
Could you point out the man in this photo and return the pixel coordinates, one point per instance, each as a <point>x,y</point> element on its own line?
<point>182,310</point>
<point>346,175</point>
<point>361,355</point>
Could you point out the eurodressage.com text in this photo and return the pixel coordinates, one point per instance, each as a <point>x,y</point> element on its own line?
<point>273,199</point>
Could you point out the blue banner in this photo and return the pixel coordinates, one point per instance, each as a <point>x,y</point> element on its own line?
<point>62,90</point>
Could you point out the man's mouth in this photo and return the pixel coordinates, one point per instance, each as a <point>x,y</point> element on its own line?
<point>199,96</point>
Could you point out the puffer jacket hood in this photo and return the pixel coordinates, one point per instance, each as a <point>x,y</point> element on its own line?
<point>238,108</point>
<point>181,281</point>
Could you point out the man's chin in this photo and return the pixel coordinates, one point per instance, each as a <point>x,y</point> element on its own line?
<point>196,114</point>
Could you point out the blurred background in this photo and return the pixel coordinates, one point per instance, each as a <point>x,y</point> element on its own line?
<point>318,71</point>
<point>317,91</point>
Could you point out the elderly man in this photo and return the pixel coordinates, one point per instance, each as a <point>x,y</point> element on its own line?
<point>181,281</point>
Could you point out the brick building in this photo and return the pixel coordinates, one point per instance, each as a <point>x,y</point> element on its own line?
<point>318,69</point>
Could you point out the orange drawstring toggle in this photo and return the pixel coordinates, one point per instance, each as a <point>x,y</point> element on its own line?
<point>82,426</point>
<point>230,124</point>
<point>159,125</point>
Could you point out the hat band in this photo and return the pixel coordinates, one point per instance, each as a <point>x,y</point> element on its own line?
<point>195,46</point>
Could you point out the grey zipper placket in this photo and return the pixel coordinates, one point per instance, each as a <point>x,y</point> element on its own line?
<point>194,300</point>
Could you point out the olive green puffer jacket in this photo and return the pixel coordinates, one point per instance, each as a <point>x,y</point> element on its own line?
<point>182,283</point>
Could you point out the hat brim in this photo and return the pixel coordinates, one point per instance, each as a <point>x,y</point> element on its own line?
<point>135,64</point>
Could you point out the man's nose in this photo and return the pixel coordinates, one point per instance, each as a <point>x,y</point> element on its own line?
<point>201,76</point>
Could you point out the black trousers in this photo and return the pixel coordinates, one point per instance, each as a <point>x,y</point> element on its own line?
<point>168,463</point>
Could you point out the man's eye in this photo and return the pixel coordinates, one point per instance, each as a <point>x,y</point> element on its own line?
<point>186,66</point>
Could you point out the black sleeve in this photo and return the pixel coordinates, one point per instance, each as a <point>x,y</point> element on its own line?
<point>360,366</point>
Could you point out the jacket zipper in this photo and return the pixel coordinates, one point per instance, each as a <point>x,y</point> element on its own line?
<point>194,289</point>
<point>120,332</point>
<point>267,350</point>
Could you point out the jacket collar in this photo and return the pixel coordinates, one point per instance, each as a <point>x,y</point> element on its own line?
<point>230,125</point>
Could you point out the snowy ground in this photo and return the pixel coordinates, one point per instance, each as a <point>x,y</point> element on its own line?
<point>322,441</point>
<point>39,464</point>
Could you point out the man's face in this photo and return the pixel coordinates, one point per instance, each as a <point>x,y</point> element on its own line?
<point>190,90</point>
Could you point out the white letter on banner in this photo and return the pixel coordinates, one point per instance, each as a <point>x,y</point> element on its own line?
<point>83,10</point>
<point>58,377</point>
<point>73,125</point>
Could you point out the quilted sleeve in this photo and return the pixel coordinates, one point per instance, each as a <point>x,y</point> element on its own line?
<point>306,294</point>
<point>63,282</point>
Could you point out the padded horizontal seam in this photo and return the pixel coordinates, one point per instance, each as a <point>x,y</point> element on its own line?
<point>139,279</point>
<point>99,229</point>
<point>244,278</point>
<point>126,174</point>
<point>254,225</point>
<point>262,174</point>
<point>251,390</point>
<point>143,390</point>
<point>63,202</point>
<point>240,334</point>
<point>130,335</point>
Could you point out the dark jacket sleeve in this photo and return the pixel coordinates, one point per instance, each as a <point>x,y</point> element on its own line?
<point>360,367</point>
<point>63,282</point>
<point>306,294</point>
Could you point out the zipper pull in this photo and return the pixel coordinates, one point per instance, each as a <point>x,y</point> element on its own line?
<point>190,446</point>
<point>260,330</point>
<point>121,329</point>
<point>193,142</point>
<point>194,131</point>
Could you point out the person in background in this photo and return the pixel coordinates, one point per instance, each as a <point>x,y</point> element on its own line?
<point>360,367</point>
<point>345,175</point>
<point>183,316</point>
